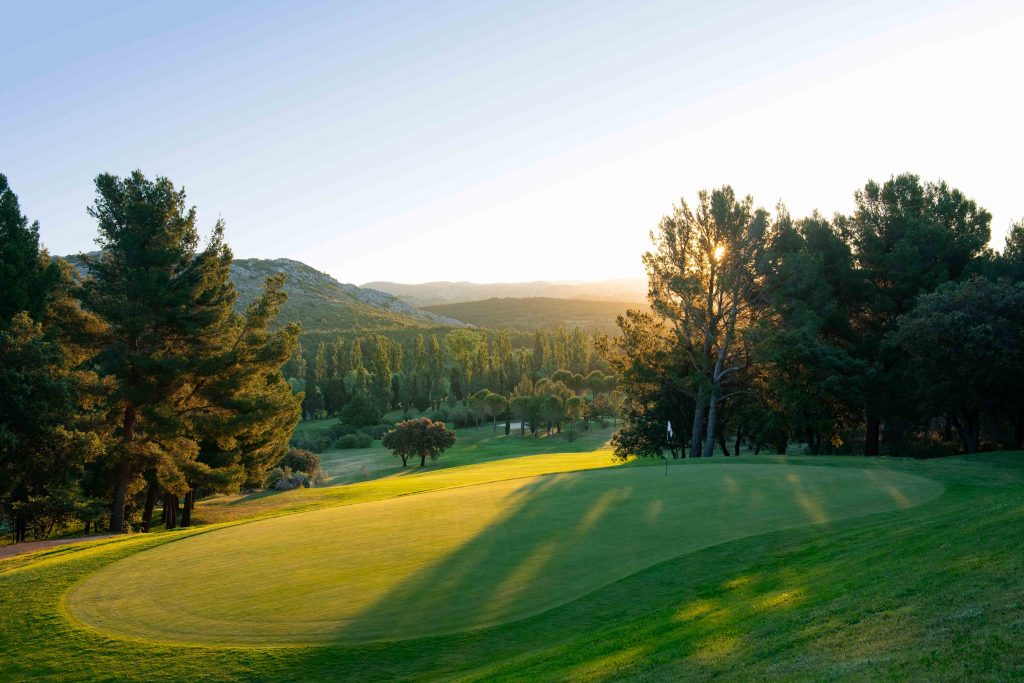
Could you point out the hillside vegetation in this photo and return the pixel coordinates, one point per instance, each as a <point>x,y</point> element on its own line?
<point>537,313</point>
<point>436,293</point>
<point>320,302</point>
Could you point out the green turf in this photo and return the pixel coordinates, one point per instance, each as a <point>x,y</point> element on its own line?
<point>462,558</point>
<point>478,456</point>
<point>931,592</point>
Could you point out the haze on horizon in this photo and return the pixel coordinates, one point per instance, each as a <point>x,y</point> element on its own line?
<point>506,143</point>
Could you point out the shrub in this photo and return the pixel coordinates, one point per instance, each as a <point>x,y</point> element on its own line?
<point>300,460</point>
<point>461,417</point>
<point>316,442</point>
<point>360,412</point>
<point>283,479</point>
<point>339,429</point>
<point>927,445</point>
<point>357,440</point>
<point>376,431</point>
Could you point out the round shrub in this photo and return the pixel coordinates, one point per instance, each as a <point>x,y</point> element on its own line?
<point>357,440</point>
<point>316,442</point>
<point>376,431</point>
<point>300,460</point>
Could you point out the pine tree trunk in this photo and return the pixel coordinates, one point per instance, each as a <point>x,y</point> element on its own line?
<point>721,442</point>
<point>186,511</point>
<point>970,431</point>
<point>170,511</point>
<point>147,512</point>
<point>871,437</point>
<point>122,475</point>
<point>739,436</point>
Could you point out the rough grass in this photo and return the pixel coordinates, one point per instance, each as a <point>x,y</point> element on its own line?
<point>931,592</point>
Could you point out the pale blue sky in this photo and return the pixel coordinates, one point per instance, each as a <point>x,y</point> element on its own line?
<point>504,140</point>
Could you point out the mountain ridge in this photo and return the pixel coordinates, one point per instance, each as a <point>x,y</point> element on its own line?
<point>532,313</point>
<point>319,301</point>
<point>441,292</point>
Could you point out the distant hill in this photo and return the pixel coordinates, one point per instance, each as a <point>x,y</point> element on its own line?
<point>321,303</point>
<point>534,313</point>
<point>436,293</point>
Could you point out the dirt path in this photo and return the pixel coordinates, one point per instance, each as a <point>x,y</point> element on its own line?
<point>30,546</point>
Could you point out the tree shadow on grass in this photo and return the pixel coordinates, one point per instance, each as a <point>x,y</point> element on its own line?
<point>562,536</point>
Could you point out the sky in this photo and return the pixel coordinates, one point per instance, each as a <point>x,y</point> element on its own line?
<point>501,141</point>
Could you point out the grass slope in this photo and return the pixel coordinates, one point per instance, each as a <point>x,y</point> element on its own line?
<point>537,313</point>
<point>931,592</point>
<point>478,457</point>
<point>461,558</point>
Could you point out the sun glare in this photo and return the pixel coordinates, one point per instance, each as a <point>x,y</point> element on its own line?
<point>719,252</point>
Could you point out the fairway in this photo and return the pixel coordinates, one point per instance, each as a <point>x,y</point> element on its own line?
<point>464,558</point>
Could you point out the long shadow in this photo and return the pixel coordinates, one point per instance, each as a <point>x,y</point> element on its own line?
<point>553,540</point>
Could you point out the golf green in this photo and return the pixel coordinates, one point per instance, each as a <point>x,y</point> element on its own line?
<point>463,558</point>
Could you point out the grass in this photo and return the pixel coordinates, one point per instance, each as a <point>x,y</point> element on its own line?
<point>930,592</point>
<point>462,558</point>
<point>478,457</point>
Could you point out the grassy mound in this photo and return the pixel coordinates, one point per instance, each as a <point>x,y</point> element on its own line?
<point>930,592</point>
<point>461,558</point>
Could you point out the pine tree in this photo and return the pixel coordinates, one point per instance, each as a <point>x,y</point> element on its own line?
<point>161,298</point>
<point>240,410</point>
<point>25,280</point>
<point>43,336</point>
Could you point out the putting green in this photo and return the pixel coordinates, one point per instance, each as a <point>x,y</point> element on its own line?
<point>458,559</point>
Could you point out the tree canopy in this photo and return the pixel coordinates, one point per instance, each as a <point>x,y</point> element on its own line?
<point>422,438</point>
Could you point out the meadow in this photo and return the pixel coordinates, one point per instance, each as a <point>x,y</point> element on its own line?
<point>526,559</point>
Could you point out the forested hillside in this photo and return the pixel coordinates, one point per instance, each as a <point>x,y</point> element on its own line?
<point>536,313</point>
<point>320,302</point>
<point>436,293</point>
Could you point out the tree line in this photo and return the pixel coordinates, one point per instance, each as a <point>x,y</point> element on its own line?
<point>137,381</point>
<point>895,329</point>
<point>542,379</point>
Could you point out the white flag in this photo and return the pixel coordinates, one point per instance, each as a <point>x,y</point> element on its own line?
<point>670,432</point>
